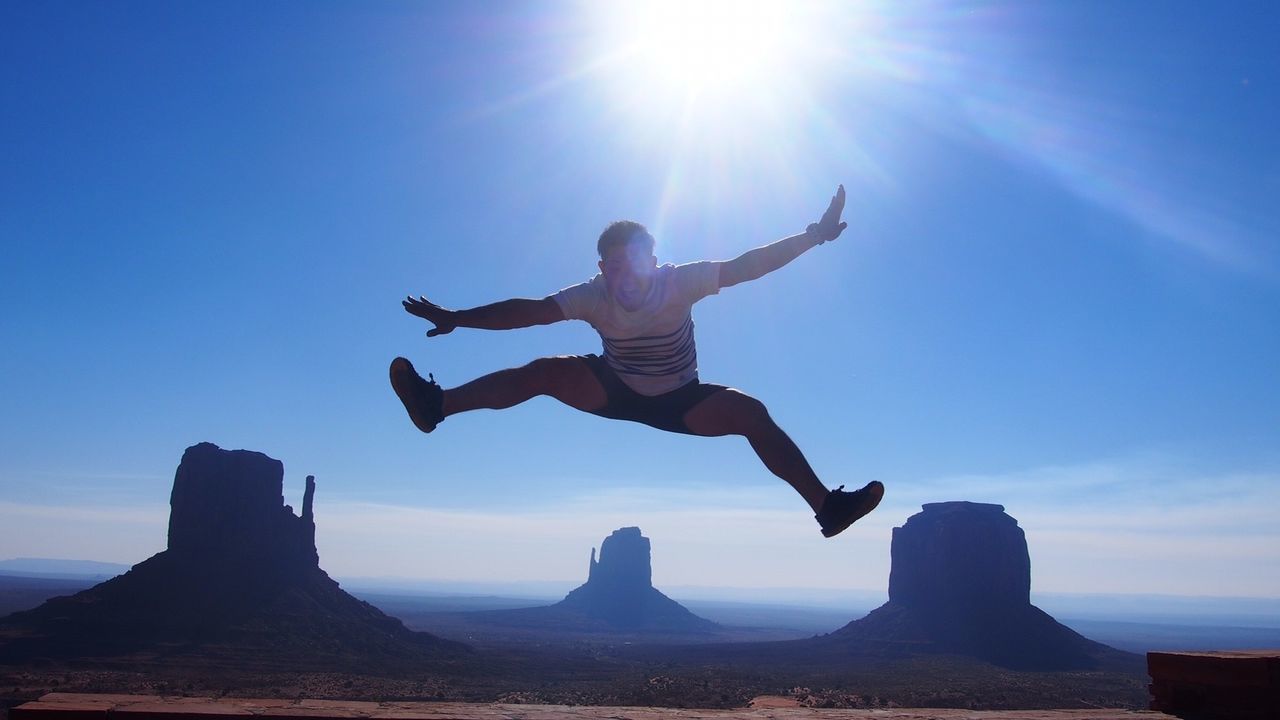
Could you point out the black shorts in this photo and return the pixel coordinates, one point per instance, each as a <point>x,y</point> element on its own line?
<point>665,411</point>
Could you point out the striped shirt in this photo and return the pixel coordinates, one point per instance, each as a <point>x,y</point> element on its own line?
<point>651,349</point>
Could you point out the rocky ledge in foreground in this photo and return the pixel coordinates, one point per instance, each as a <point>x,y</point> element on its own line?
<point>68,706</point>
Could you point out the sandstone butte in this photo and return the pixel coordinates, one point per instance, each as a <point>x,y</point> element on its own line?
<point>72,706</point>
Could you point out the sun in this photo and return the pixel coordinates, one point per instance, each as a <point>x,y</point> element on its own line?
<point>708,48</point>
<point>701,57</point>
<point>730,98</point>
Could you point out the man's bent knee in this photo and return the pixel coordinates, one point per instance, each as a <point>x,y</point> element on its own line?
<point>749,414</point>
<point>543,372</point>
<point>728,412</point>
<point>568,379</point>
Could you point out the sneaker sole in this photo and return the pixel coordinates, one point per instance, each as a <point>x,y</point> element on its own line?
<point>874,494</point>
<point>406,382</point>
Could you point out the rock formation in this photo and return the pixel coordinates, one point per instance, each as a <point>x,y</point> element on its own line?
<point>629,565</point>
<point>231,503</point>
<point>617,599</point>
<point>241,575</point>
<point>619,589</point>
<point>960,584</point>
<point>960,556</point>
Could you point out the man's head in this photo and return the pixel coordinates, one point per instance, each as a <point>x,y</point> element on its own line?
<point>623,232</point>
<point>627,261</point>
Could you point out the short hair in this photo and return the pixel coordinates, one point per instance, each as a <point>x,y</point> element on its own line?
<point>621,233</point>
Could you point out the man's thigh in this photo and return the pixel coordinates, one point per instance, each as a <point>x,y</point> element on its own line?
<point>569,379</point>
<point>727,412</point>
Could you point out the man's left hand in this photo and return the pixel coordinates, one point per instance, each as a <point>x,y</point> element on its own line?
<point>830,226</point>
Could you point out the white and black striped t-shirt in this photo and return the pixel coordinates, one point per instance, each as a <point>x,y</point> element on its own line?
<point>652,348</point>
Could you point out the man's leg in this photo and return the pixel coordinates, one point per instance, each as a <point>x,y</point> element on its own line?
<point>565,378</point>
<point>731,412</point>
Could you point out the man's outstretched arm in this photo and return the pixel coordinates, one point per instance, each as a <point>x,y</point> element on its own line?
<point>504,315</point>
<point>764,260</point>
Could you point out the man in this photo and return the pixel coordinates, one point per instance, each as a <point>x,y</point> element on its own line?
<point>648,371</point>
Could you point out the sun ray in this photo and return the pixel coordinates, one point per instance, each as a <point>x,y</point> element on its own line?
<point>591,68</point>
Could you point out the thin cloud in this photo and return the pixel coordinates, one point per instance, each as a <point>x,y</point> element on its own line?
<point>1090,527</point>
<point>121,534</point>
<point>143,516</point>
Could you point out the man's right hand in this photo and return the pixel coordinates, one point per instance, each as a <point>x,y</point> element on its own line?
<point>432,313</point>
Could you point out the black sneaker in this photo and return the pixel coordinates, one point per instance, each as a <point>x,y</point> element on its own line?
<point>841,509</point>
<point>422,398</point>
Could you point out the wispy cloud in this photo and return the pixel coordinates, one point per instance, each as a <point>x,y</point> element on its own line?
<point>123,534</point>
<point>124,516</point>
<point>1131,525</point>
<point>697,540</point>
<point>1149,493</point>
<point>1138,525</point>
<point>79,476</point>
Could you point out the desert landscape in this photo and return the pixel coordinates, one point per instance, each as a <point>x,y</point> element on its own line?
<point>238,606</point>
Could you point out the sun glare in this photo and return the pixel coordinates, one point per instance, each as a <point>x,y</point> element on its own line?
<point>731,96</point>
<point>702,56</point>
<point>708,47</point>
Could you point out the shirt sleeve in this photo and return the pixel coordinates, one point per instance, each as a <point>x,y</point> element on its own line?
<point>579,302</point>
<point>697,280</point>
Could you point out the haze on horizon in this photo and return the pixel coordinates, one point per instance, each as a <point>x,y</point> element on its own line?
<point>1059,290</point>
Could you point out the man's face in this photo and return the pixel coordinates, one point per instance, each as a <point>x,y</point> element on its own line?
<point>627,272</point>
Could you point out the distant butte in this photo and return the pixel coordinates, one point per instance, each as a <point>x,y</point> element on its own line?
<point>960,583</point>
<point>959,591</point>
<point>241,577</point>
<point>619,589</point>
<point>618,598</point>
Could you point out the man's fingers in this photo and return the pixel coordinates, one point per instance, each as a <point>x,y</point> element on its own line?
<point>830,222</point>
<point>834,208</point>
<point>837,201</point>
<point>419,306</point>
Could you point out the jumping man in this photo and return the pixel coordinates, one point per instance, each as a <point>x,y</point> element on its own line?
<point>648,370</point>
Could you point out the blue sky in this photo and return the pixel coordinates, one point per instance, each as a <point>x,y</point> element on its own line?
<point>1059,290</point>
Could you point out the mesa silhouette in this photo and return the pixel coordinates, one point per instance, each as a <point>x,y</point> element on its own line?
<point>618,598</point>
<point>240,578</point>
<point>959,585</point>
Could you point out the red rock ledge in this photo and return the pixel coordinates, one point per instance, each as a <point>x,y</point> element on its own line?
<point>77,706</point>
<point>1219,685</point>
